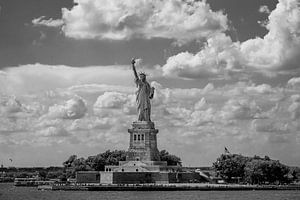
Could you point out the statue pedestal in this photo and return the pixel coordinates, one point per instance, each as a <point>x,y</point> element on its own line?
<point>143,142</point>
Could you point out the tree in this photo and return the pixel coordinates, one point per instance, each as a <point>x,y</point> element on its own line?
<point>255,170</point>
<point>106,158</point>
<point>80,164</point>
<point>230,165</point>
<point>258,171</point>
<point>63,177</point>
<point>24,175</point>
<point>113,157</point>
<point>95,162</point>
<point>43,174</point>
<point>171,159</point>
<point>54,175</point>
<point>74,164</point>
<point>68,163</point>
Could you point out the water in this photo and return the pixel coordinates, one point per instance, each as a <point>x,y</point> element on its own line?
<point>9,192</point>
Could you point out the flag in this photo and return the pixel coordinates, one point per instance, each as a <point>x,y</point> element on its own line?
<point>226,151</point>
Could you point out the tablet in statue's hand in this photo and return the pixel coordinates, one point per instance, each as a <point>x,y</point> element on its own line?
<point>151,92</point>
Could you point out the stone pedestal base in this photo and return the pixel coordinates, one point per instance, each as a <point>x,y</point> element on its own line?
<point>143,142</point>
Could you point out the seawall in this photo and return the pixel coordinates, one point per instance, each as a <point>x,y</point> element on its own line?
<point>172,187</point>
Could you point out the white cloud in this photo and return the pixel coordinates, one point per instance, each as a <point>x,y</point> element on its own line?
<point>294,82</point>
<point>54,132</point>
<point>118,20</point>
<point>264,9</point>
<point>280,48</point>
<point>111,100</point>
<point>294,108</point>
<point>201,105</point>
<point>239,109</point>
<point>217,56</point>
<point>41,21</point>
<point>202,117</point>
<point>72,109</point>
<point>263,88</point>
<point>277,51</point>
<point>10,105</point>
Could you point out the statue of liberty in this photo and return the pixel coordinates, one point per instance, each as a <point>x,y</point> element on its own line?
<point>143,95</point>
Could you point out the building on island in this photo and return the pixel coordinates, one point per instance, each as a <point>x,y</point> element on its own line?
<point>142,163</point>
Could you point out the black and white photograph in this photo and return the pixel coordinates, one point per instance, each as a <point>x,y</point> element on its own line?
<point>149,99</point>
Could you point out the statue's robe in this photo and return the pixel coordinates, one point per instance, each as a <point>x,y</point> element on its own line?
<point>143,95</point>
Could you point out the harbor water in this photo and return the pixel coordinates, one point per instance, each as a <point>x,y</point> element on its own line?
<point>10,192</point>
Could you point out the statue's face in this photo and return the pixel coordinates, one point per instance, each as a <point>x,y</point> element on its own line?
<point>142,77</point>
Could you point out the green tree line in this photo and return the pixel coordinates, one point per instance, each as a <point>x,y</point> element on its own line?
<point>253,170</point>
<point>98,162</point>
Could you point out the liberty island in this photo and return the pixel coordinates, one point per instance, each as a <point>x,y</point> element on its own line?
<point>143,164</point>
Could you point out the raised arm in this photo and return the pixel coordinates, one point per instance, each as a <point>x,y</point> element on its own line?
<point>133,68</point>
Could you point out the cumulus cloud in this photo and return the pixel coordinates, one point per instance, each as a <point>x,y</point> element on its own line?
<point>277,51</point>
<point>54,132</point>
<point>10,105</point>
<point>119,20</point>
<point>111,100</point>
<point>264,9</point>
<point>263,88</point>
<point>41,21</point>
<point>280,48</point>
<point>294,108</point>
<point>72,109</point>
<point>239,109</point>
<point>115,100</point>
<point>294,82</point>
<point>201,105</point>
<point>202,117</point>
<point>218,55</point>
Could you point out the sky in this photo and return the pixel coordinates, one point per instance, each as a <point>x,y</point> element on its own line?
<point>226,74</point>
